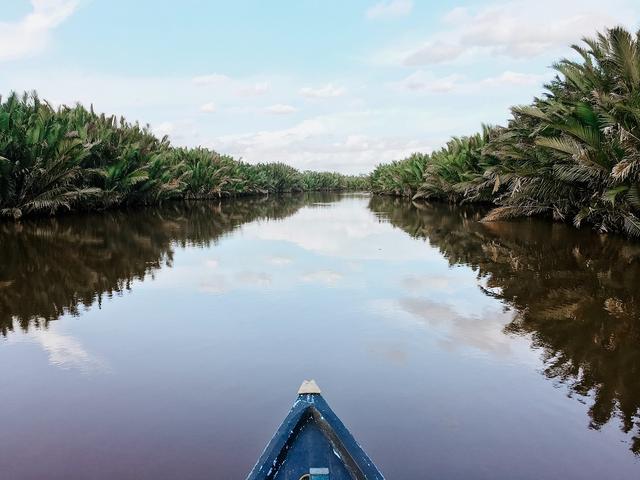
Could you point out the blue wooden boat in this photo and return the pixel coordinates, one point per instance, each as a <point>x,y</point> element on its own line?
<point>313,444</point>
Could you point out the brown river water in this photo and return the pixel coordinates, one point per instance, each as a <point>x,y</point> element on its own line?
<point>168,343</point>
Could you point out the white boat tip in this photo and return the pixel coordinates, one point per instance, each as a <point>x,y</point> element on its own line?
<point>308,386</point>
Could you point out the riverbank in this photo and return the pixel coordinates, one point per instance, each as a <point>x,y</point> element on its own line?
<point>73,159</point>
<point>572,155</point>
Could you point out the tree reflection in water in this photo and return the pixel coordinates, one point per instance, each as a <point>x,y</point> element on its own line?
<point>574,293</point>
<point>55,266</point>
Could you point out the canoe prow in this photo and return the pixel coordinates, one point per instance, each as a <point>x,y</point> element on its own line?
<point>313,444</point>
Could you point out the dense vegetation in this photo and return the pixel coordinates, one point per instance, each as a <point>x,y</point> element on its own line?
<point>71,158</point>
<point>573,154</point>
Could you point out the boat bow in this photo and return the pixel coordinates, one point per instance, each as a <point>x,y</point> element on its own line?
<point>313,444</point>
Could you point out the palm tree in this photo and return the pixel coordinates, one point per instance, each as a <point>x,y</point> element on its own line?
<point>575,153</point>
<point>402,177</point>
<point>74,159</point>
<point>454,173</point>
<point>41,160</point>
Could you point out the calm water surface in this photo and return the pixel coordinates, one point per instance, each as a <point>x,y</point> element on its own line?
<point>169,343</point>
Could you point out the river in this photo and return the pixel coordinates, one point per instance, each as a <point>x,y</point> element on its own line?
<point>167,343</point>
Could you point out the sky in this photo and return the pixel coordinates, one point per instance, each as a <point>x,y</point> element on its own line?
<point>322,84</point>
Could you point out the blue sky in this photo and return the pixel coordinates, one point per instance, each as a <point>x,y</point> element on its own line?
<point>317,84</point>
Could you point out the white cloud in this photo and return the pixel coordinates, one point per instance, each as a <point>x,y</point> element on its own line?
<point>346,231</point>
<point>426,283</point>
<point>483,330</point>
<point>433,52</point>
<point>67,352</point>
<point>226,85</point>
<point>517,29</point>
<point>326,277</point>
<point>208,107</point>
<point>281,109</point>
<point>258,279</point>
<point>388,9</point>
<point>327,91</point>
<point>421,81</point>
<point>182,131</point>
<point>514,79</point>
<point>211,79</point>
<point>216,284</point>
<point>279,261</point>
<point>456,15</point>
<point>390,352</point>
<point>64,351</point>
<point>426,82</point>
<point>322,143</point>
<point>164,128</point>
<point>256,89</point>
<point>274,139</point>
<point>32,34</point>
<point>220,283</point>
<point>352,139</point>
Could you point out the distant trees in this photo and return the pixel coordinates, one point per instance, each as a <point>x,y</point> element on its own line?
<point>71,158</point>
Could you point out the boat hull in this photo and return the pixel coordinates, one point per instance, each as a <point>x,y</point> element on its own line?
<point>313,444</point>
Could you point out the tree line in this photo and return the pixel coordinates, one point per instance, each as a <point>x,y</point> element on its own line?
<point>573,154</point>
<point>71,158</point>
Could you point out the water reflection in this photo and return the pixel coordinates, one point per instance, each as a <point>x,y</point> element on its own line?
<point>575,294</point>
<point>162,378</point>
<point>73,262</point>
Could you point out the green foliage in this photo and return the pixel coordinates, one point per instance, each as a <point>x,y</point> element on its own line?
<point>71,158</point>
<point>328,181</point>
<point>455,172</point>
<point>573,155</point>
<point>402,177</point>
<point>581,142</point>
